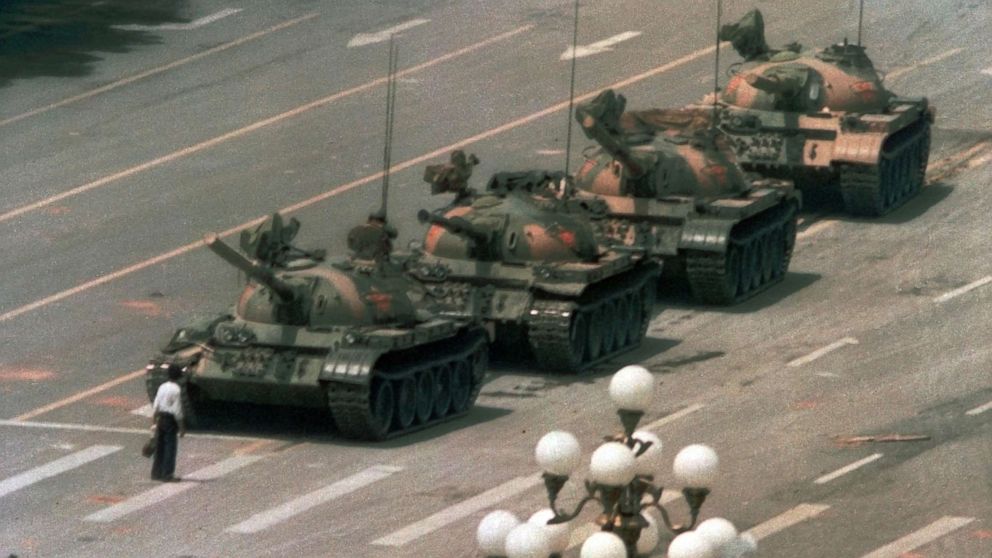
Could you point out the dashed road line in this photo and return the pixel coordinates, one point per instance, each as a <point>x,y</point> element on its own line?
<point>781,522</point>
<point>912,541</point>
<point>165,491</point>
<point>673,417</point>
<point>961,290</point>
<point>56,467</point>
<point>363,39</point>
<point>816,228</point>
<point>979,410</point>
<point>118,430</point>
<point>195,24</point>
<point>847,469</point>
<point>458,511</point>
<point>987,71</point>
<point>81,395</point>
<point>925,62</point>
<point>822,351</point>
<point>335,191</point>
<point>599,47</point>
<point>266,519</point>
<point>159,69</point>
<point>187,151</point>
<point>143,411</point>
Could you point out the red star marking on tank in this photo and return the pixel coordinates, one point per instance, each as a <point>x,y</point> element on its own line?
<point>382,301</point>
<point>567,237</point>
<point>734,83</point>
<point>865,89</point>
<point>717,172</point>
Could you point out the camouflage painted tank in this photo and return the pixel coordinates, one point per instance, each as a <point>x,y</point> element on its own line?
<point>824,117</point>
<point>538,264</point>
<point>670,181</point>
<point>358,336</point>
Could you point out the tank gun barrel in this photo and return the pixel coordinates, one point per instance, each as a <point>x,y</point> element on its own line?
<point>258,272</point>
<point>455,225</point>
<point>600,121</point>
<point>777,85</point>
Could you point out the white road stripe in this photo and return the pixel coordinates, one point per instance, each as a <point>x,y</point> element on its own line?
<point>926,62</point>
<point>822,351</point>
<point>144,410</point>
<point>165,491</point>
<point>56,467</point>
<point>294,507</point>
<point>961,290</point>
<point>458,511</point>
<point>915,540</point>
<point>117,430</point>
<point>196,23</point>
<point>980,409</point>
<point>798,514</point>
<point>363,39</point>
<point>847,469</point>
<point>598,47</point>
<point>673,417</point>
<point>987,71</point>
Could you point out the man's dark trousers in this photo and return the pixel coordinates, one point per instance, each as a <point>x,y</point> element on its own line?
<point>166,444</point>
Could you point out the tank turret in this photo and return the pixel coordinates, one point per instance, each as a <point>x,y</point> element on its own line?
<point>823,117</point>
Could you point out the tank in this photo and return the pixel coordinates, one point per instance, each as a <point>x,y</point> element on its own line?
<point>670,181</point>
<point>358,336</point>
<point>544,274</point>
<point>824,118</point>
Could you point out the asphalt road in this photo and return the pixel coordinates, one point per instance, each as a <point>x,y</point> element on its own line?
<point>117,158</point>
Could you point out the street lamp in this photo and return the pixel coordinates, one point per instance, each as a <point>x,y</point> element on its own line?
<point>621,481</point>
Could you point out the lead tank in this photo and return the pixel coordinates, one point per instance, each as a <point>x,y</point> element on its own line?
<point>670,181</point>
<point>824,118</point>
<point>358,336</point>
<point>546,276</point>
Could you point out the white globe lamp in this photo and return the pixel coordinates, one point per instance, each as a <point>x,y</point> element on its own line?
<point>650,534</point>
<point>527,541</point>
<point>718,532</point>
<point>649,462</point>
<point>603,545</point>
<point>558,453</point>
<point>556,534</point>
<point>632,388</point>
<point>612,464</point>
<point>696,466</point>
<point>690,545</point>
<point>492,532</point>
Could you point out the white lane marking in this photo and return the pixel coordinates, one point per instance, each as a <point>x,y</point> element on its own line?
<point>979,410</point>
<point>338,190</point>
<point>159,69</point>
<point>925,62</point>
<point>81,395</point>
<point>363,39</point>
<point>118,430</point>
<point>292,113</point>
<point>550,152</point>
<point>458,511</point>
<point>143,411</point>
<point>816,228</point>
<point>56,467</point>
<point>266,519</point>
<point>822,351</point>
<point>987,71</point>
<point>166,491</point>
<point>914,540</point>
<point>673,417</point>
<point>847,469</point>
<point>195,24</point>
<point>961,290</point>
<point>598,47</point>
<point>798,514</point>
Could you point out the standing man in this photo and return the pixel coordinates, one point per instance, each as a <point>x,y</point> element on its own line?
<point>168,421</point>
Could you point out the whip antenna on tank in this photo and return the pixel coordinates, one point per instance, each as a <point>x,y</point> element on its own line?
<point>861,18</point>
<point>716,63</point>
<point>387,150</point>
<point>571,88</point>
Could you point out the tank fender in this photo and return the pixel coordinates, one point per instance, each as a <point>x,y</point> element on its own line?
<point>708,235</point>
<point>350,365</point>
<point>858,148</point>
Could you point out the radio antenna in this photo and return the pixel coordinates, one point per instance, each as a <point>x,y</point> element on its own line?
<point>861,17</point>
<point>716,63</point>
<point>571,89</point>
<point>387,150</point>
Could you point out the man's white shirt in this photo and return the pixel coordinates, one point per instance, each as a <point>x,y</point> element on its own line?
<point>167,400</point>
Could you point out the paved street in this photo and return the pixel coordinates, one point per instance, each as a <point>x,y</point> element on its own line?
<point>121,148</point>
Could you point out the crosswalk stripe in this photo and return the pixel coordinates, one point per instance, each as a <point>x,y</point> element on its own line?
<point>781,522</point>
<point>458,511</point>
<point>166,491</point>
<point>848,468</point>
<point>919,538</point>
<point>143,411</point>
<point>673,417</point>
<point>268,518</point>
<point>56,467</point>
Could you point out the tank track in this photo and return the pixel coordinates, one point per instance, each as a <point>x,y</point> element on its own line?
<point>570,336</point>
<point>873,190</point>
<point>354,407</point>
<point>756,258</point>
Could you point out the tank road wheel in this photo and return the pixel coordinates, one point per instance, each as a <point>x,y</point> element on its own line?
<point>778,249</point>
<point>923,158</point>
<point>609,317</point>
<point>461,387</point>
<point>578,337</point>
<point>425,395</point>
<point>767,256</point>
<point>635,310</point>
<point>648,294</point>
<point>594,341</point>
<point>442,390</point>
<point>406,402</point>
<point>623,322</point>
<point>381,409</point>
